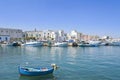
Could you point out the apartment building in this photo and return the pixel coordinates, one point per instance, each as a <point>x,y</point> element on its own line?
<point>46,35</point>
<point>9,34</point>
<point>74,35</point>
<point>33,34</point>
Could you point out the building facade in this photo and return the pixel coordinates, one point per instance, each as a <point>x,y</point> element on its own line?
<point>46,35</point>
<point>10,34</point>
<point>75,36</point>
<point>5,38</point>
<point>59,36</point>
<point>33,34</point>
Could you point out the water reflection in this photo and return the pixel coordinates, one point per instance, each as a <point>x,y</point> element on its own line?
<point>57,50</point>
<point>45,77</point>
<point>31,49</point>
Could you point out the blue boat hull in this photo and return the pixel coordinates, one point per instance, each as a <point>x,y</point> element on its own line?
<point>27,72</point>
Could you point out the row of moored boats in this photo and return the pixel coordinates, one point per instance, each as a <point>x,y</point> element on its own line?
<point>65,44</point>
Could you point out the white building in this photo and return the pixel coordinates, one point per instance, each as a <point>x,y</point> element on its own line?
<point>34,34</point>
<point>74,35</point>
<point>54,36</point>
<point>39,35</point>
<point>11,33</point>
<point>4,38</point>
<point>47,35</point>
<point>61,36</point>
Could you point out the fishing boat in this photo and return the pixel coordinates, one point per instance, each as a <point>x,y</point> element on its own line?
<point>31,71</point>
<point>14,44</point>
<point>115,43</point>
<point>89,44</point>
<point>33,43</point>
<point>61,44</point>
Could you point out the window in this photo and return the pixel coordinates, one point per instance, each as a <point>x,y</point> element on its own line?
<point>39,34</point>
<point>36,35</point>
<point>6,38</point>
<point>31,35</point>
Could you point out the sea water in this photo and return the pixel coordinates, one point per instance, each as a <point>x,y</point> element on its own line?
<point>75,63</point>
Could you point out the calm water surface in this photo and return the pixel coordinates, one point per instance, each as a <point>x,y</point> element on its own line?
<point>76,63</point>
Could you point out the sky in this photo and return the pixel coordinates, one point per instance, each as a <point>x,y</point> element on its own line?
<point>92,17</point>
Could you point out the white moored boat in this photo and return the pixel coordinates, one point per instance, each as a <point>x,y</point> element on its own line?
<point>61,44</point>
<point>33,43</point>
<point>89,44</point>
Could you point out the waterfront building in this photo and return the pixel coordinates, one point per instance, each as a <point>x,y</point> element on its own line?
<point>33,35</point>
<point>75,36</point>
<point>57,36</point>
<point>47,35</point>
<point>90,37</point>
<point>61,36</point>
<point>5,38</point>
<point>54,36</point>
<point>40,35</point>
<point>10,34</point>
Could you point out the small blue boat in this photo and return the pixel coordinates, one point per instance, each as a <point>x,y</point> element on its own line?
<point>28,71</point>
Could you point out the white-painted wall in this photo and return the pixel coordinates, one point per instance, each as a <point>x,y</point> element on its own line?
<point>4,38</point>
